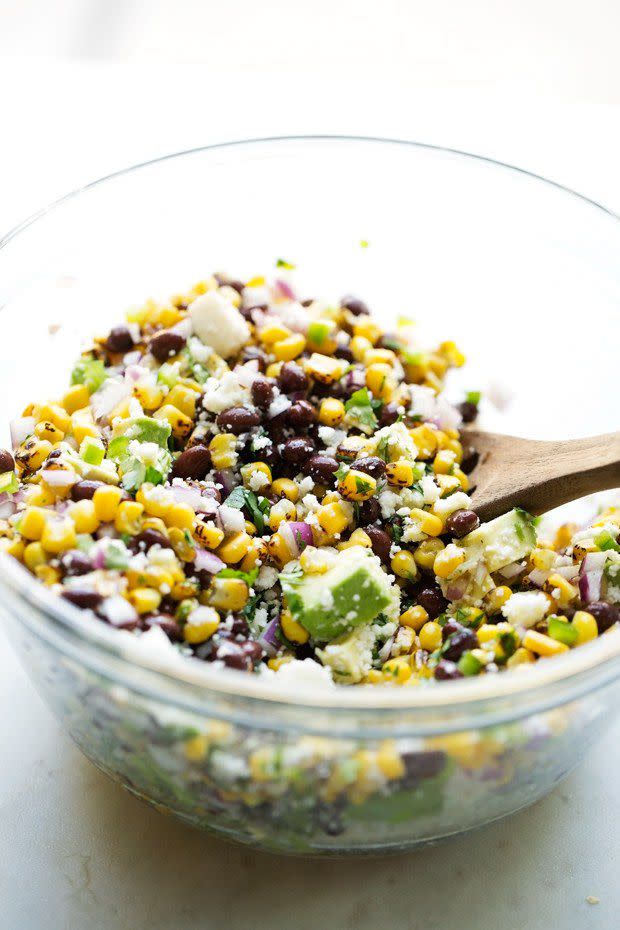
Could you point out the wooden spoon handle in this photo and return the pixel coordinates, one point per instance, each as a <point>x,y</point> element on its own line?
<point>539,476</point>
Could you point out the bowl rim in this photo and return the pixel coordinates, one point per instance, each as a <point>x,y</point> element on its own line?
<point>592,665</point>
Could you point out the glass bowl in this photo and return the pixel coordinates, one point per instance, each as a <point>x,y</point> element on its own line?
<point>525,276</point>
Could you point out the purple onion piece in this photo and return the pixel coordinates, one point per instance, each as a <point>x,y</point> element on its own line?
<point>208,562</point>
<point>268,638</point>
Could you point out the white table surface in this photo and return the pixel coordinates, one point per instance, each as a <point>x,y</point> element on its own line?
<point>75,851</point>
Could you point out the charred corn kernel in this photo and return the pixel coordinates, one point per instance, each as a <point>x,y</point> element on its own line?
<point>34,555</point>
<point>180,515</point>
<point>430,636</point>
<point>184,589</point>
<point>222,449</point>
<point>256,468</point>
<point>233,549</point>
<point>462,477</point>
<point>325,369</point>
<point>357,486</point>
<point>58,535</point>
<point>399,474</point>
<point>180,424</point>
<point>314,561</point>
<point>447,484</point>
<point>47,574</point>
<point>106,501</point>
<point>256,553</point>
<point>429,524</point>
<point>360,537</point>
<point>495,599</point>
<point>425,440</point>
<point>151,576</point>
<point>331,411</point>
<point>84,516</point>
<point>250,528</point>
<point>284,487</point>
<point>182,544</point>
<point>273,331</point>
<point>228,594</point>
<point>285,350</point>
<point>542,559</point>
<point>280,511</point>
<point>448,560</point>
<point>543,645</point>
<point>390,762</point>
<point>278,661</point>
<point>403,565</point>
<point>333,518</point>
<point>521,656</point>
<point>196,748</point>
<point>207,533</point>
<point>279,549</point>
<point>374,677</point>
<point>57,415</point>
<point>360,346</point>
<point>368,329</point>
<point>128,517</point>
<point>32,523</point>
<point>414,617</point>
<point>585,624</point>
<point>149,395</point>
<point>183,399</point>
<point>201,625</point>
<point>426,552</point>
<point>380,381</point>
<point>293,630</point>
<point>452,354</point>
<point>561,589</point>
<point>443,462</point>
<point>487,632</point>
<point>398,670</point>
<point>437,364</point>
<point>144,600</point>
<point>75,398</point>
<point>33,453</point>
<point>330,497</point>
<point>82,425</point>
<point>47,430</point>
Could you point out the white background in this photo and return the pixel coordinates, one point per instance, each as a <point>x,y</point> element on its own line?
<point>88,86</point>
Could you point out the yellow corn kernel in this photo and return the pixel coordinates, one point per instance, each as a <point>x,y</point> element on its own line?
<point>47,574</point>
<point>331,411</point>
<point>180,515</point>
<point>144,600</point>
<point>561,589</point>
<point>281,511</point>
<point>414,617</point>
<point>415,365</point>
<point>278,661</point>
<point>155,523</point>
<point>586,626</point>
<point>520,656</point>
<point>274,369</point>
<point>149,395</point>
<point>368,329</point>
<point>75,398</point>
<point>57,415</point>
<point>452,354</point>
<point>462,478</point>
<point>429,524</point>
<point>84,516</point>
<point>495,599</point>
<point>425,440</point>
<point>33,453</point>
<point>182,546</point>
<point>403,565</point>
<point>284,487</point>
<point>443,462</point>
<point>426,552</point>
<point>201,625</point>
<point>128,517</point>
<point>373,677</point>
<point>227,594</point>
<point>156,500</point>
<point>207,533</point>
<point>285,350</point>
<point>58,535</point>
<point>233,549</point>
<point>448,560</point>
<point>106,501</point>
<point>542,559</point>
<point>253,468</point>
<point>222,448</point>
<point>183,590</point>
<point>40,495</point>
<point>279,549</point>
<point>447,484</point>
<point>121,411</point>
<point>293,630</point>
<point>357,486</point>
<point>380,356</point>
<point>184,399</point>
<point>324,369</point>
<point>360,537</point>
<point>543,645</point>
<point>380,380</point>
<point>487,632</point>
<point>437,364</point>
<point>34,555</point>
<point>168,316</point>
<point>180,424</point>
<point>273,331</point>
<point>14,546</point>
<point>453,445</point>
<point>399,474</point>
<point>397,670</point>
<point>32,523</point>
<point>47,430</point>
<point>314,561</point>
<point>389,761</point>
<point>430,636</point>
<point>83,425</point>
<point>321,336</point>
<point>333,518</point>
<point>360,346</point>
<point>196,748</point>
<point>249,527</point>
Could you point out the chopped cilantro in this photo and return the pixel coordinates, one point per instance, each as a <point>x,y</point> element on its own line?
<point>241,497</point>
<point>382,446</point>
<point>249,577</point>
<point>236,498</point>
<point>360,408</point>
<point>362,485</point>
<point>342,471</point>
<point>473,397</point>
<point>282,263</point>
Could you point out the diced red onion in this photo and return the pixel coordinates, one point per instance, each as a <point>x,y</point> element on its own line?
<point>457,588</point>
<point>226,478</point>
<point>538,577</point>
<point>354,380</point>
<point>98,556</point>
<point>208,562</point>
<point>296,535</point>
<point>268,638</point>
<point>282,288</point>
<point>591,576</point>
<point>59,477</point>
<point>231,519</point>
<point>567,571</point>
<point>21,428</point>
<point>386,648</point>
<point>7,505</point>
<point>184,494</point>
<point>133,373</point>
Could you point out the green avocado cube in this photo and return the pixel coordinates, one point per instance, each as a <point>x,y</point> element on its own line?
<point>504,540</point>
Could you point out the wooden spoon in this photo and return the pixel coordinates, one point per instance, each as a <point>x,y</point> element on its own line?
<point>514,472</point>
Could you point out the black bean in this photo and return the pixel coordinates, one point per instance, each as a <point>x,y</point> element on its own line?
<point>7,462</point>
<point>253,353</point>
<point>370,465</point>
<point>344,352</point>
<point>237,420</point>
<point>470,460</point>
<point>147,538</point>
<point>459,642</point>
<point>353,381</point>
<point>380,541</point>
<point>238,625</point>
<point>292,378</point>
<point>356,306</point>
<point>300,414</point>
<point>369,511</point>
<point>84,490</point>
<point>468,411</point>
<point>388,415</point>
<point>295,451</point>
<point>166,343</point>
<point>253,650</point>
<point>432,600</point>
<point>85,598</point>
<point>194,463</point>
<point>447,671</point>
<point>321,467</point>
<point>605,614</point>
<point>232,655</point>
<point>263,391</point>
<point>119,340</point>
<point>424,764</point>
<point>165,622</point>
<point>462,522</point>
<point>75,562</point>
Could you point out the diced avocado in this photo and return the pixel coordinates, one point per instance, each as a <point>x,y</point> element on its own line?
<point>504,540</point>
<point>143,429</point>
<point>354,590</point>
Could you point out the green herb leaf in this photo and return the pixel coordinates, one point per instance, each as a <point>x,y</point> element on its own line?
<point>342,471</point>
<point>359,407</point>
<point>236,498</point>
<point>473,397</point>
<point>282,263</point>
<point>249,577</point>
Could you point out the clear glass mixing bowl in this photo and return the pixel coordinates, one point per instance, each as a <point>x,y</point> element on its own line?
<point>525,276</point>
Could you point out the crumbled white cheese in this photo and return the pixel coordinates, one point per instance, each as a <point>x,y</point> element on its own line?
<point>448,505</point>
<point>261,442</point>
<point>222,393</point>
<point>218,323</point>
<point>258,480</point>
<point>429,489</point>
<point>526,608</point>
<point>400,445</point>
<point>389,501</point>
<point>423,401</point>
<point>200,352</point>
<point>350,658</point>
